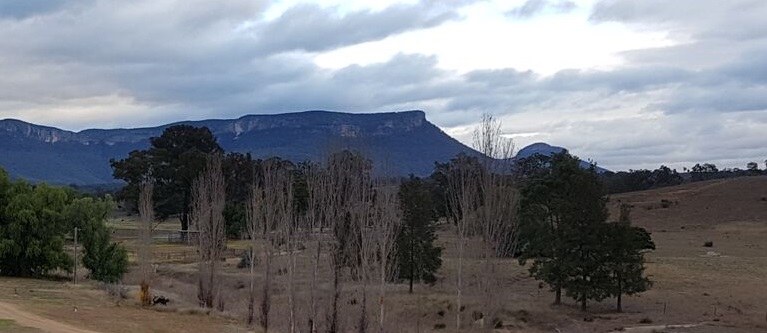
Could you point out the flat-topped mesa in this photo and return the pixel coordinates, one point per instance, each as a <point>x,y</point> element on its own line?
<point>399,143</point>
<point>22,129</point>
<point>329,122</point>
<point>337,123</point>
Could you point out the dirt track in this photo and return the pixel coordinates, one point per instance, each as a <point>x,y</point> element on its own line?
<point>8,311</point>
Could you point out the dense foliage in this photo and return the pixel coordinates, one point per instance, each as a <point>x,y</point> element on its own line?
<point>173,161</point>
<point>36,219</point>
<point>107,261</point>
<point>32,228</point>
<point>418,258</point>
<point>566,234</point>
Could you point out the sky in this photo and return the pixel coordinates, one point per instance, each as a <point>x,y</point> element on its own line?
<point>629,84</point>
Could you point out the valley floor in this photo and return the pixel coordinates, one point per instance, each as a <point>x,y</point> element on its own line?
<point>700,289</point>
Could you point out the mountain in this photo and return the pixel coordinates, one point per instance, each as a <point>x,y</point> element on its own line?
<point>399,142</point>
<point>548,150</point>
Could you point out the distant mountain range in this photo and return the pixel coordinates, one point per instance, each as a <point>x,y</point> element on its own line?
<point>398,142</point>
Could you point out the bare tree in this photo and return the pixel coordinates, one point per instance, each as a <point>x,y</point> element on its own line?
<point>314,221</point>
<point>362,240</point>
<point>146,217</point>
<point>346,172</point>
<point>208,192</point>
<point>496,215</point>
<point>255,222</point>
<point>277,227</point>
<point>462,194</point>
<point>386,225</point>
<point>282,181</point>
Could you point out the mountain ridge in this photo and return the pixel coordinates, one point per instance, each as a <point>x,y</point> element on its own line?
<point>401,143</point>
<point>44,153</point>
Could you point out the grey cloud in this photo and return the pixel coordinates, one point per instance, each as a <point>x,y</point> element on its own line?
<point>702,19</point>
<point>309,28</point>
<point>21,9</point>
<point>533,7</point>
<point>201,61</point>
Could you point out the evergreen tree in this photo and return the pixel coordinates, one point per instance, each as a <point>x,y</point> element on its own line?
<point>174,160</point>
<point>418,259</point>
<point>562,212</point>
<point>543,219</point>
<point>586,214</point>
<point>625,261</point>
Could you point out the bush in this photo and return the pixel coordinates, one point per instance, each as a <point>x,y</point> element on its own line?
<point>106,260</point>
<point>708,244</point>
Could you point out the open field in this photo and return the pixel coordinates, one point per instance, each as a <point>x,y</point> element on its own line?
<point>701,289</point>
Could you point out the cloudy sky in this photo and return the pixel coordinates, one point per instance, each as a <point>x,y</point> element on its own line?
<point>627,83</point>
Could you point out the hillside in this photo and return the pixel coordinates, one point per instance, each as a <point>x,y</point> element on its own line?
<point>720,287</point>
<point>699,205</point>
<point>399,142</point>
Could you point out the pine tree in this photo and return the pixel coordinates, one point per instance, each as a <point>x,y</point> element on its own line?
<point>562,212</point>
<point>417,256</point>
<point>625,260</point>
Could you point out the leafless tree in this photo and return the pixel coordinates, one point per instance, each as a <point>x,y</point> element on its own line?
<point>280,186</point>
<point>315,218</point>
<point>386,225</point>
<point>255,222</point>
<point>496,215</point>
<point>208,192</point>
<point>346,172</point>
<point>363,240</point>
<point>462,194</point>
<point>146,218</point>
<point>277,227</point>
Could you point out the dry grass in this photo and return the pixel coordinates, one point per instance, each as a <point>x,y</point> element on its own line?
<point>720,288</point>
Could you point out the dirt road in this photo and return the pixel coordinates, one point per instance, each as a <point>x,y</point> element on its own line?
<point>23,318</point>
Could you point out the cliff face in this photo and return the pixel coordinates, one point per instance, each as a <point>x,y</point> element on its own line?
<point>399,143</point>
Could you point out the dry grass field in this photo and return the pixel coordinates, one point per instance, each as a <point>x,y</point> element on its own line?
<point>701,289</point>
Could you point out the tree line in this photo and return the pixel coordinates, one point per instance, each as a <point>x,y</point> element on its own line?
<point>643,179</point>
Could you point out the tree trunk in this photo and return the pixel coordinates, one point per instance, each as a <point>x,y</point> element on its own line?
<point>460,283</point>
<point>583,303</point>
<point>333,324</point>
<point>558,295</point>
<point>620,292</point>
<point>265,301</point>
<point>252,296</point>
<point>313,287</point>
<point>363,324</point>
<point>185,215</point>
<point>381,304</point>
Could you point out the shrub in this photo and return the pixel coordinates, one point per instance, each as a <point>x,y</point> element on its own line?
<point>708,244</point>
